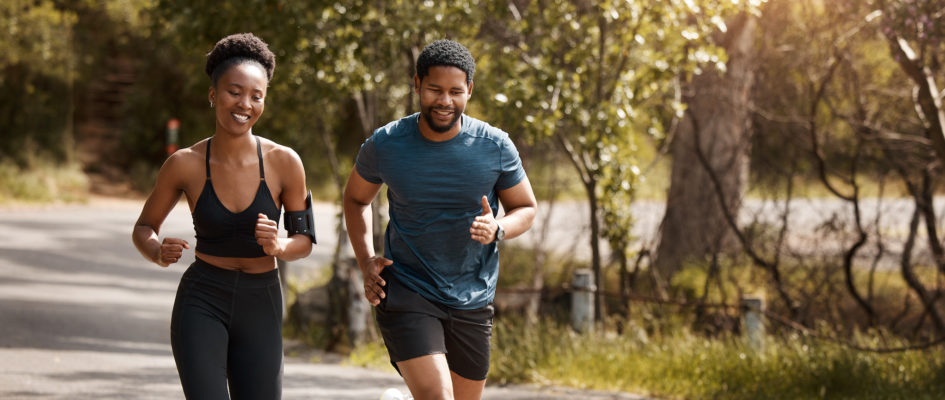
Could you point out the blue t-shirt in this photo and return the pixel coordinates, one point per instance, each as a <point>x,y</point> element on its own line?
<point>434,191</point>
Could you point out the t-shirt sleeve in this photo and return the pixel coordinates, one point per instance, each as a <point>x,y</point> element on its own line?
<point>366,163</point>
<point>512,172</point>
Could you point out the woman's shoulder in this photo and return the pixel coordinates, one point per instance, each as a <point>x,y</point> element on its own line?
<point>188,158</point>
<point>279,154</point>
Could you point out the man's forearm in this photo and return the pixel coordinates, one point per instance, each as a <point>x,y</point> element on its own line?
<point>517,221</point>
<point>358,224</point>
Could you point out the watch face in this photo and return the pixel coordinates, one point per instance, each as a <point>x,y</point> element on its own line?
<point>500,234</point>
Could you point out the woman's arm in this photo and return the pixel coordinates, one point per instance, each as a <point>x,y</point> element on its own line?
<point>293,197</point>
<point>163,198</point>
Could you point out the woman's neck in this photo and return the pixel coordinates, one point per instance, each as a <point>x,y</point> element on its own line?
<point>231,148</point>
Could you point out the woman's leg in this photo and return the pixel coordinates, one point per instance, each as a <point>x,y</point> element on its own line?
<point>199,339</point>
<point>255,348</point>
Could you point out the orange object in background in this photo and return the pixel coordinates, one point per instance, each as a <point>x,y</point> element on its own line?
<point>173,127</point>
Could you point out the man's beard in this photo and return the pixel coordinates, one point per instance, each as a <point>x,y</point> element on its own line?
<point>440,128</point>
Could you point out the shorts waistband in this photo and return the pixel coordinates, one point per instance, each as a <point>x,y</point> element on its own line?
<point>234,278</point>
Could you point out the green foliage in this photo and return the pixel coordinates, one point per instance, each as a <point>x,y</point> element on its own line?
<point>314,335</point>
<point>808,45</point>
<point>36,59</point>
<point>599,79</point>
<point>517,264</point>
<point>371,355</point>
<point>818,287</point>
<point>335,60</point>
<point>37,35</point>
<point>682,365</point>
<point>41,180</point>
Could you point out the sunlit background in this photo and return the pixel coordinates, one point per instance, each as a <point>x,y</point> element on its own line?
<point>688,155</point>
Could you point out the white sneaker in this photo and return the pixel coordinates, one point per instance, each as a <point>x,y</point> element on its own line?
<point>395,394</point>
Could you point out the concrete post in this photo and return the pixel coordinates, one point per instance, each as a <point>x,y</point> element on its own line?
<point>283,266</point>
<point>753,322</point>
<point>582,300</point>
<point>359,310</point>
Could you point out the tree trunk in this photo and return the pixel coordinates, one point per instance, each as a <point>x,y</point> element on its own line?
<point>694,220</point>
<point>599,305</point>
<point>349,313</point>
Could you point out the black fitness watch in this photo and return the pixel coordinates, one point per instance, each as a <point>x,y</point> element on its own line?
<point>499,233</point>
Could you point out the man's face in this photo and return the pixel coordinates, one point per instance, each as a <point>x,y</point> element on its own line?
<point>443,95</point>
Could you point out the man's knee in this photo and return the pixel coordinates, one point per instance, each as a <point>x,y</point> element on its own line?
<point>427,377</point>
<point>432,392</point>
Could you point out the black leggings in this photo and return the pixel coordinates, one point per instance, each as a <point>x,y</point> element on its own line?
<point>227,327</point>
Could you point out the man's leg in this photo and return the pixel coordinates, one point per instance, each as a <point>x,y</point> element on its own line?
<point>466,389</point>
<point>467,335</point>
<point>428,377</point>
<point>412,329</point>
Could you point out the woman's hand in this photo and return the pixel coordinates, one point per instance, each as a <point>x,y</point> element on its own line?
<point>267,236</point>
<point>170,251</point>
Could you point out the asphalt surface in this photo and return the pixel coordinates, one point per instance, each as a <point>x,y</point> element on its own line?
<point>84,316</point>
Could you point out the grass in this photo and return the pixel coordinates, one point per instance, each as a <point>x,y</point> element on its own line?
<point>42,181</point>
<point>683,365</point>
<point>661,352</point>
<point>680,364</point>
<point>813,188</point>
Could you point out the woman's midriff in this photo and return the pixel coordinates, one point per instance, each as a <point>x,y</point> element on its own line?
<point>256,265</point>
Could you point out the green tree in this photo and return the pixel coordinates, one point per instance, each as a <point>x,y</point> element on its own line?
<point>710,153</point>
<point>597,78</point>
<point>915,36</point>
<point>838,103</point>
<point>343,69</point>
<point>37,78</point>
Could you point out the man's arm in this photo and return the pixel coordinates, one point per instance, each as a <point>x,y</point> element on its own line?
<point>520,209</point>
<point>357,210</point>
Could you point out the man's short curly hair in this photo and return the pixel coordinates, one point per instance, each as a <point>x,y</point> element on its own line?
<point>446,53</point>
<point>237,49</point>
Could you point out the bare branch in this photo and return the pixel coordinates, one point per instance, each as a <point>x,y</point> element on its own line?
<point>731,220</point>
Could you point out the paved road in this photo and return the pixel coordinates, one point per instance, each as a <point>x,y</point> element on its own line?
<point>83,316</point>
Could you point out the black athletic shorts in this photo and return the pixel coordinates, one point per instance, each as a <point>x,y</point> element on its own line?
<point>413,326</point>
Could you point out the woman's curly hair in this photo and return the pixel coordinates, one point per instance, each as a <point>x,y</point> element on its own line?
<point>237,49</point>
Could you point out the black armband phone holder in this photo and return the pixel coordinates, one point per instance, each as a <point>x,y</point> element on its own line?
<point>301,222</point>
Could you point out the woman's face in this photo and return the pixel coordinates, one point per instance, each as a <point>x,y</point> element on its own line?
<point>239,97</point>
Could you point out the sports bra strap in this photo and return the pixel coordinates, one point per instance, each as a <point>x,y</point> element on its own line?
<point>208,158</point>
<point>262,171</point>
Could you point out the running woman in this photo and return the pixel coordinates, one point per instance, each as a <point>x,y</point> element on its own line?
<point>226,325</point>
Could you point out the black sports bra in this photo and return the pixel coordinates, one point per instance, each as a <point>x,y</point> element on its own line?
<point>223,233</point>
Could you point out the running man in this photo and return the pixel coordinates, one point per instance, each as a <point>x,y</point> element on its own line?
<point>446,174</point>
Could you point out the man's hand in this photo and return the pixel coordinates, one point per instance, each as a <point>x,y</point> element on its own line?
<point>373,283</point>
<point>267,236</point>
<point>484,226</point>
<point>170,251</point>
